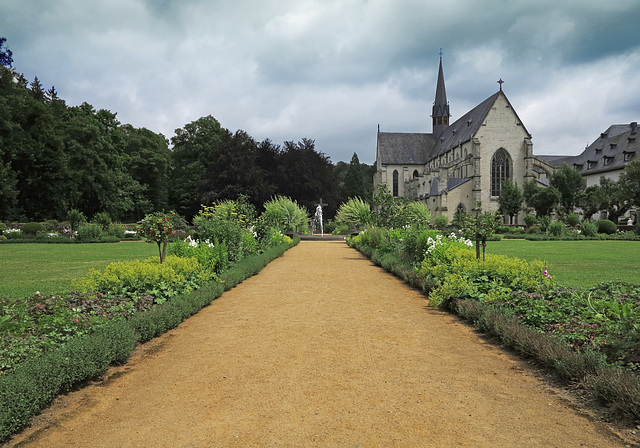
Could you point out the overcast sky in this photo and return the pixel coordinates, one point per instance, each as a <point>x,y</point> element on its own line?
<point>333,70</point>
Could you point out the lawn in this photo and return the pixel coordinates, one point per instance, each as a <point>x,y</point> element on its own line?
<point>578,263</point>
<point>50,268</point>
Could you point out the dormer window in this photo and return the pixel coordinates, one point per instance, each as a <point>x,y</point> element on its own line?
<point>607,160</point>
<point>578,166</point>
<point>598,150</point>
<point>603,135</point>
<point>628,155</point>
<point>613,145</point>
<point>591,164</point>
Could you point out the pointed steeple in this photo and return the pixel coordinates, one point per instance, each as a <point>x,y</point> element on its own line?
<point>440,112</point>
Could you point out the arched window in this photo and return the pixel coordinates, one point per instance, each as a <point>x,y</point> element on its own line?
<point>395,183</point>
<point>416,174</point>
<point>461,208</point>
<point>500,170</point>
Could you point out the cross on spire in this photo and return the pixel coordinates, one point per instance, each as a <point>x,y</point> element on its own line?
<point>440,53</point>
<point>500,82</point>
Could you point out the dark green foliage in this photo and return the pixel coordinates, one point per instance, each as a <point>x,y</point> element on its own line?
<point>589,229</point>
<point>88,233</point>
<point>607,226</point>
<point>569,183</point>
<point>33,228</point>
<point>511,199</point>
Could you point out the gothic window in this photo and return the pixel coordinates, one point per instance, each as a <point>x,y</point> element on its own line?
<point>500,170</point>
<point>415,174</point>
<point>395,183</point>
<point>461,208</point>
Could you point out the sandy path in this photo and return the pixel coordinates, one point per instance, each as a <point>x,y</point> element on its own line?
<point>322,349</point>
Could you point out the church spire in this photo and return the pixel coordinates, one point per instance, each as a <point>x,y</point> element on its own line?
<point>440,112</point>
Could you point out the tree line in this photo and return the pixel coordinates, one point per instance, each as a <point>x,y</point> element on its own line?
<point>55,158</point>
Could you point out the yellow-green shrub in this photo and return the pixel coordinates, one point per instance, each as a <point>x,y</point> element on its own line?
<point>175,275</point>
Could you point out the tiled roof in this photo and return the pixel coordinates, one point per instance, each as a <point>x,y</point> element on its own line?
<point>607,153</point>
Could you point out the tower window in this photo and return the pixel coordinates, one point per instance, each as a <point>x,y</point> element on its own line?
<point>500,170</point>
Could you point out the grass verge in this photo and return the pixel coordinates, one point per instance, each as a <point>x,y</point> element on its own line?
<point>578,263</point>
<point>50,268</point>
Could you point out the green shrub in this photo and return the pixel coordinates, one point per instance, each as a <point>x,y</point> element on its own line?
<point>161,280</point>
<point>285,214</point>
<point>212,257</point>
<point>33,228</point>
<point>572,219</point>
<point>589,229</point>
<point>556,228</point>
<point>607,226</point>
<point>115,230</point>
<point>545,222</point>
<point>75,218</point>
<point>355,213</point>
<point>102,219</point>
<point>414,213</point>
<point>530,220</point>
<point>3,227</point>
<point>89,233</point>
<point>440,222</point>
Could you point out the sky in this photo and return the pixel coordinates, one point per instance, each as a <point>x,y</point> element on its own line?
<point>335,70</point>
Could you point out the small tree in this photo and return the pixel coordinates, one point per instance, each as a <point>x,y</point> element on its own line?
<point>156,228</point>
<point>511,198</point>
<point>480,226</point>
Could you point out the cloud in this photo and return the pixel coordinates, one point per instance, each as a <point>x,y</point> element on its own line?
<point>332,70</point>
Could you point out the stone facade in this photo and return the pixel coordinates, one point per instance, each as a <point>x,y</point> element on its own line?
<point>462,163</point>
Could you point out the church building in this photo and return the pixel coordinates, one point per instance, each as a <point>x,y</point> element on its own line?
<point>462,163</point>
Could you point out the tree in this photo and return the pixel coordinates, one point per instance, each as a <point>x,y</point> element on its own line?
<point>6,56</point>
<point>542,200</point>
<point>510,200</point>
<point>156,228</point>
<point>569,183</point>
<point>615,198</point>
<point>480,226</point>
<point>630,181</point>
<point>354,181</point>
<point>590,200</point>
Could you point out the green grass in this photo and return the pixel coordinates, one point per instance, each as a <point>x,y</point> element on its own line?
<point>578,263</point>
<point>50,268</point>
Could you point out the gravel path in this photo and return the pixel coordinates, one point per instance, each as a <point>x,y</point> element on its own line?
<point>322,349</point>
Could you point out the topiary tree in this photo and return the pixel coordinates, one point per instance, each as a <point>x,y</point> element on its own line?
<point>607,226</point>
<point>156,228</point>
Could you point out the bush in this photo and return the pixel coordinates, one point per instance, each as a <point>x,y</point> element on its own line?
<point>102,219</point>
<point>33,228</point>
<point>161,280</point>
<point>572,219</point>
<point>589,229</point>
<point>355,213</point>
<point>556,228</point>
<point>530,220</point>
<point>607,226</point>
<point>89,233</point>
<point>3,227</point>
<point>115,230</point>
<point>440,222</point>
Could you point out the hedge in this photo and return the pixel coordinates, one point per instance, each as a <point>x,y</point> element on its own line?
<point>34,384</point>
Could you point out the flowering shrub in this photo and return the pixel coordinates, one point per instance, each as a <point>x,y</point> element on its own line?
<point>213,257</point>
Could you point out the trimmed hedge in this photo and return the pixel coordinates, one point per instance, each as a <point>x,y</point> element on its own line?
<point>34,384</point>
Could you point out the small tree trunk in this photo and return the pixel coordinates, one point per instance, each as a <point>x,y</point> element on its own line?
<point>484,245</point>
<point>163,255</point>
<point>478,250</point>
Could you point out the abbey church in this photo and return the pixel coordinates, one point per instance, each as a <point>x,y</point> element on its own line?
<point>461,163</point>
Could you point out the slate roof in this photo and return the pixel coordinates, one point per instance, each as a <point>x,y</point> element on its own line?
<point>607,153</point>
<point>397,148</point>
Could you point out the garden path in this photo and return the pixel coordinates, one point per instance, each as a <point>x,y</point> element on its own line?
<point>322,349</point>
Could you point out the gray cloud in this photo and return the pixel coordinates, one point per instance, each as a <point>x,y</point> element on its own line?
<point>333,70</point>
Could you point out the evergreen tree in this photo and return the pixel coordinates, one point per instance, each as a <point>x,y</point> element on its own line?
<point>6,56</point>
<point>354,180</point>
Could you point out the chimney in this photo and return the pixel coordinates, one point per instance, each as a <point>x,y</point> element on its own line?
<point>634,127</point>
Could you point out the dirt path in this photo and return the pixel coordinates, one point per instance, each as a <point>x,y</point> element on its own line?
<point>322,349</point>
